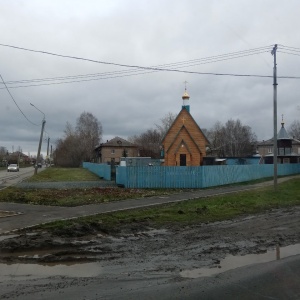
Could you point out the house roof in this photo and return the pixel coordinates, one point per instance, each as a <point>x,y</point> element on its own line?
<point>18,153</point>
<point>117,142</point>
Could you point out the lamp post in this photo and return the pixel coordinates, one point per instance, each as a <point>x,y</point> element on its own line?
<point>41,138</point>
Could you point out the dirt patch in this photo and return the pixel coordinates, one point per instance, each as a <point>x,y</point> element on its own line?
<point>168,248</point>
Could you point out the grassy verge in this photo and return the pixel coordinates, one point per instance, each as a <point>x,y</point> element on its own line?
<point>74,197</point>
<point>189,212</point>
<point>63,174</point>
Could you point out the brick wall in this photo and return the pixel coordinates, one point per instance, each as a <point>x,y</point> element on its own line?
<point>108,155</point>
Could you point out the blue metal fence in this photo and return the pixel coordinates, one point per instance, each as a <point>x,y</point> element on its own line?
<point>196,177</point>
<point>101,170</point>
<point>188,177</point>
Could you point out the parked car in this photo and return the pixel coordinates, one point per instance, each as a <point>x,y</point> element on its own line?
<point>13,168</point>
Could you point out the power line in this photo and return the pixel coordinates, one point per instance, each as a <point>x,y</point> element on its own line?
<point>291,53</point>
<point>140,70</point>
<point>195,63</point>
<point>110,63</point>
<point>291,48</point>
<point>167,70</point>
<point>16,103</point>
<point>137,69</point>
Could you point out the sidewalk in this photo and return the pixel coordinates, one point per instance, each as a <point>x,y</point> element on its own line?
<point>27,215</point>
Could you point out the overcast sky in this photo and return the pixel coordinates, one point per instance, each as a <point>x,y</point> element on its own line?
<point>145,33</point>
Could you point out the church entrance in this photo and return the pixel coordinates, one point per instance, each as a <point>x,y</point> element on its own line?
<point>182,159</point>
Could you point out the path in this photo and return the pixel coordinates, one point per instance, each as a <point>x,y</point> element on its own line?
<point>26,215</point>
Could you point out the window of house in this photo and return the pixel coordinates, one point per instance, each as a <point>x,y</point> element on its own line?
<point>112,151</point>
<point>270,150</point>
<point>281,151</point>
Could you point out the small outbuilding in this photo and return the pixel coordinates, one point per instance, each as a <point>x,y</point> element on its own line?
<point>288,148</point>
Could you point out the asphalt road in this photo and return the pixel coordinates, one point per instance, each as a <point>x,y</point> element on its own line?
<point>12,178</point>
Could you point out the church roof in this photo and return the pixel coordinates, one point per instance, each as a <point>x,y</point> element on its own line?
<point>180,115</point>
<point>282,134</point>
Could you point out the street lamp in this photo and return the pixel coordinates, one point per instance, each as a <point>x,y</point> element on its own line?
<point>41,138</point>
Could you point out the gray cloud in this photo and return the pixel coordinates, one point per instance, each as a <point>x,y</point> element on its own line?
<point>145,33</point>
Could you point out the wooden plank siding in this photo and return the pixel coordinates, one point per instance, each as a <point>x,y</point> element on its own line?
<point>184,137</point>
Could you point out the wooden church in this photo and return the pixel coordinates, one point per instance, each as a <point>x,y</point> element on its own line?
<point>184,144</point>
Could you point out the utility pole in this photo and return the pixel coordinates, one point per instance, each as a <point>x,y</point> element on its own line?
<point>273,52</point>
<point>41,138</point>
<point>40,144</point>
<point>51,156</point>
<point>48,159</point>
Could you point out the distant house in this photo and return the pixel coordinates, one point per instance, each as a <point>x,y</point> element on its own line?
<point>112,151</point>
<point>288,148</point>
<point>19,157</point>
<point>184,143</point>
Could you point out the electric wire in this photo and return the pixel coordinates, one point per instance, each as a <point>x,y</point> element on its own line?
<point>288,47</point>
<point>105,62</point>
<point>114,72</point>
<point>291,53</point>
<point>140,70</point>
<point>127,71</point>
<point>17,103</point>
<point>136,70</point>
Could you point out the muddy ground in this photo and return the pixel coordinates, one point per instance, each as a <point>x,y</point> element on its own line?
<point>166,249</point>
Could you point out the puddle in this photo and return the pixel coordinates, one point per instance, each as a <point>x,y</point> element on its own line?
<point>232,262</point>
<point>34,271</point>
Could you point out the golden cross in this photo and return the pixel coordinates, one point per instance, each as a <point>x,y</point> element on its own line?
<point>183,119</point>
<point>185,82</point>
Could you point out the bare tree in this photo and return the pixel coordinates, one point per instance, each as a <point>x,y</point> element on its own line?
<point>165,124</point>
<point>89,130</point>
<point>3,150</point>
<point>217,139</point>
<point>3,156</point>
<point>78,144</point>
<point>232,139</point>
<point>294,130</point>
<point>148,142</point>
<point>69,130</point>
